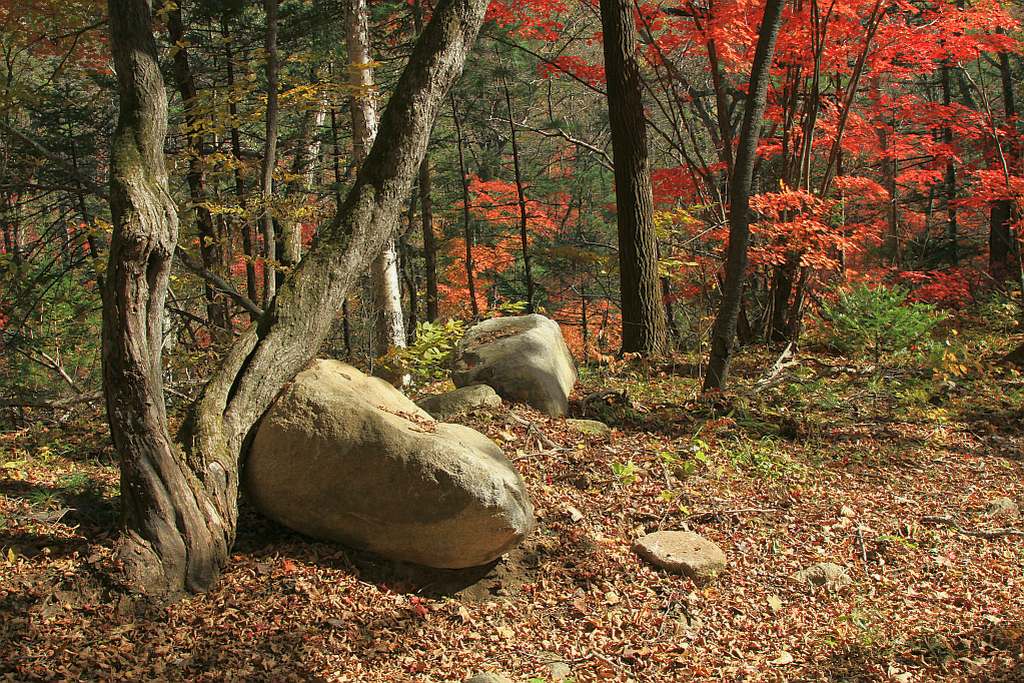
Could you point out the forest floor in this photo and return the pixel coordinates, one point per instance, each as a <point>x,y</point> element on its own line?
<point>831,460</point>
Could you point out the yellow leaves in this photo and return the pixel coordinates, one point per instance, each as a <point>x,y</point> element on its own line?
<point>675,222</point>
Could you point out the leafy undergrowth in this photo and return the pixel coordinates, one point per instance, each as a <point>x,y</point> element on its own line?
<point>829,461</point>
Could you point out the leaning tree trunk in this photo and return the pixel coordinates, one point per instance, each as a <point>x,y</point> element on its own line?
<point>644,329</point>
<point>180,495</point>
<point>723,334</point>
<point>389,327</point>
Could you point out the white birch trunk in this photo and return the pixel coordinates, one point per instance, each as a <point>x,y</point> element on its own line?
<point>389,327</point>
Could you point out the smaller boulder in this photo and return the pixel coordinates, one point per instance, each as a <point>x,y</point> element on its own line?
<point>461,401</point>
<point>682,552</point>
<point>523,357</point>
<point>591,428</point>
<point>828,575</point>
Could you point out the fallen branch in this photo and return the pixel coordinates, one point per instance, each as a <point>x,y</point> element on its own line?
<point>979,533</point>
<point>772,374</point>
<point>532,430</point>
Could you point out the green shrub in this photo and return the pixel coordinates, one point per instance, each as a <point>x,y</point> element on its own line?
<point>878,320</point>
<point>426,359</point>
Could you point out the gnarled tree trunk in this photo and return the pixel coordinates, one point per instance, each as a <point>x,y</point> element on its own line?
<point>173,534</point>
<point>180,495</point>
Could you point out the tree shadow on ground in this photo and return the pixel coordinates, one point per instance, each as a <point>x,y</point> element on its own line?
<point>262,538</point>
<point>83,507</point>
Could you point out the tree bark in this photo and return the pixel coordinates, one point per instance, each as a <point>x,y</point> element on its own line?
<point>524,238</point>
<point>270,157</point>
<point>723,335</point>
<point>429,241</point>
<point>644,328</point>
<point>950,179</point>
<point>303,169</point>
<point>180,495</point>
<point>467,228</point>
<point>248,241</point>
<point>174,538</point>
<point>1001,242</point>
<point>389,324</point>
<point>426,214</point>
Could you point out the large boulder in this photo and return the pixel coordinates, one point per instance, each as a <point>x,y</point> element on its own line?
<point>344,457</point>
<point>524,358</point>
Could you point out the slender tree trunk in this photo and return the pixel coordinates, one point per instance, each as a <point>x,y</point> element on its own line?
<point>209,244</point>
<point>180,495</point>
<point>723,335</point>
<point>781,292</point>
<point>467,228</point>
<point>644,328</point>
<point>270,157</point>
<point>1001,243</point>
<point>951,218</point>
<point>426,211</point>
<point>303,170</point>
<point>408,270</point>
<point>248,238</point>
<point>389,327</point>
<point>346,324</point>
<point>429,241</point>
<point>524,238</point>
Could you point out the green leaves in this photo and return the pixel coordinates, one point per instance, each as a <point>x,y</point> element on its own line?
<point>878,321</point>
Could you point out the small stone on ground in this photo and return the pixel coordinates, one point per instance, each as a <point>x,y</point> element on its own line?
<point>682,552</point>
<point>829,575</point>
<point>488,677</point>
<point>592,428</point>
<point>1003,508</point>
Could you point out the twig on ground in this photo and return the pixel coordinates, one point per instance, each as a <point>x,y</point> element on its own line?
<point>542,438</point>
<point>711,514</point>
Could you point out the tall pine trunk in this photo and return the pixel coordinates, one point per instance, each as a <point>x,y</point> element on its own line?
<point>180,495</point>
<point>644,329</point>
<point>723,334</point>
